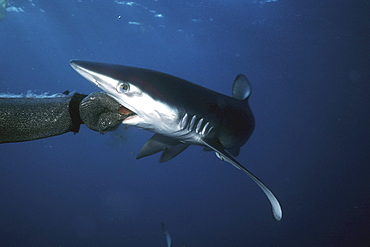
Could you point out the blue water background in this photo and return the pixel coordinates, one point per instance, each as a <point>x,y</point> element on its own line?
<point>309,66</point>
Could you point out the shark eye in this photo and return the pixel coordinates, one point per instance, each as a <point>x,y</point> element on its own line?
<point>123,87</point>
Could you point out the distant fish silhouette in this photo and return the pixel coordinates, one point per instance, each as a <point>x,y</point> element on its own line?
<point>168,236</point>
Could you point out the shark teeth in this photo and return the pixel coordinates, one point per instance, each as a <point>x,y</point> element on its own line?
<point>126,112</point>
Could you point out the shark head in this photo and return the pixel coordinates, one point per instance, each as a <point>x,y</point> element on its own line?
<point>135,91</point>
<point>179,112</point>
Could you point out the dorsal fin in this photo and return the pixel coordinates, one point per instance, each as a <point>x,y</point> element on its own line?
<point>241,87</point>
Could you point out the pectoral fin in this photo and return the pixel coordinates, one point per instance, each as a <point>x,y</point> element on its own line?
<point>171,152</point>
<point>276,208</point>
<point>155,144</point>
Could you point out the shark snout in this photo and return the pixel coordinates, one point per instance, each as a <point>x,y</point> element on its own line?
<point>86,70</point>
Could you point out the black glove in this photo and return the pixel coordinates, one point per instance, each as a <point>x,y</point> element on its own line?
<point>100,112</point>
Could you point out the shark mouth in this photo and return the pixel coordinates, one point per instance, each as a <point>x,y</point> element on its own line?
<point>126,112</point>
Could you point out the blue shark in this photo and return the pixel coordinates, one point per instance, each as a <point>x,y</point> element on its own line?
<point>180,113</point>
